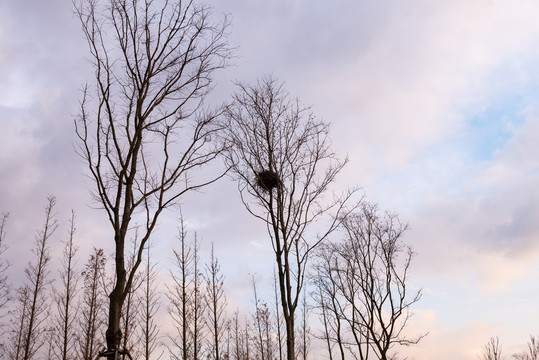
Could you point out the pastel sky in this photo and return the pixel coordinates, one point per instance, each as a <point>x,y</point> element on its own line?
<point>435,102</point>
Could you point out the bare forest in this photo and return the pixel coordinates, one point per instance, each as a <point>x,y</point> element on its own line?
<point>147,131</point>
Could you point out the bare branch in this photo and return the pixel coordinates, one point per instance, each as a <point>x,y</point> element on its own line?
<point>492,350</point>
<point>279,153</point>
<point>149,129</point>
<point>363,286</point>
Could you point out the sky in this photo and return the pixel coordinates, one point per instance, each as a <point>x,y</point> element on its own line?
<point>436,103</point>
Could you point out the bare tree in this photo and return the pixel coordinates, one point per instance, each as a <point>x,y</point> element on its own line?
<point>239,350</point>
<point>216,306</point>
<point>227,351</point>
<point>279,153</point>
<point>35,296</point>
<point>492,350</point>
<point>237,346</point>
<point>326,332</point>
<point>304,330</point>
<point>242,337</point>
<point>186,299</point>
<point>533,350</point>
<point>364,283</point>
<point>50,336</point>
<point>197,303</point>
<point>5,287</point>
<point>179,295</point>
<point>263,327</point>
<point>29,314</point>
<point>146,129</point>
<point>19,325</point>
<point>149,331</point>
<point>328,304</point>
<point>65,329</point>
<point>247,341</point>
<point>92,306</point>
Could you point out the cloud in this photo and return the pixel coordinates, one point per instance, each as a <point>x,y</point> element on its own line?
<point>419,75</point>
<point>448,344</point>
<point>402,83</point>
<point>495,206</point>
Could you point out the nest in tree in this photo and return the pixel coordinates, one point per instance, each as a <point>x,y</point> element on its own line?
<point>267,180</point>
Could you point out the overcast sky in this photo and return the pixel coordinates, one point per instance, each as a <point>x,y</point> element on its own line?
<point>435,102</point>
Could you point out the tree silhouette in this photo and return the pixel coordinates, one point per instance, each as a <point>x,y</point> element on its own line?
<point>280,154</point>
<point>144,129</point>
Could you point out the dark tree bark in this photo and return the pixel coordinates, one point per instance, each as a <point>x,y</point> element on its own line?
<point>132,304</point>
<point>279,153</point>
<point>145,129</point>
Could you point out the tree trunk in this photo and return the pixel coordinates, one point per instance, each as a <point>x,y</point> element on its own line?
<point>117,296</point>
<point>290,343</point>
<point>114,333</point>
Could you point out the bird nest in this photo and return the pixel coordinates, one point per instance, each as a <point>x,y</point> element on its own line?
<point>267,180</point>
